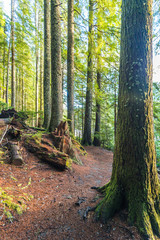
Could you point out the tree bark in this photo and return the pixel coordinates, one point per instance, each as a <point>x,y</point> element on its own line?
<point>96,141</point>
<point>134,183</point>
<point>13,54</point>
<point>46,154</point>
<point>37,60</point>
<point>70,66</point>
<point>82,111</point>
<point>17,92</point>
<point>19,89</point>
<point>40,119</point>
<point>47,64</point>
<point>115,109</point>
<point>8,64</point>
<point>87,139</point>
<point>4,64</point>
<point>56,91</point>
<point>22,88</point>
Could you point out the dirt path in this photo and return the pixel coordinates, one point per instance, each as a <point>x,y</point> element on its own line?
<point>53,214</point>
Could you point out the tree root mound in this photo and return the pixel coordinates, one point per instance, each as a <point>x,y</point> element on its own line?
<point>144,214</point>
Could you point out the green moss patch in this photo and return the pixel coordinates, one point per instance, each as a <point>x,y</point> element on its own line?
<point>12,204</point>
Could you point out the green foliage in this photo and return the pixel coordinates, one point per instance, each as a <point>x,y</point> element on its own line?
<point>156,25</point>
<point>3,106</point>
<point>35,137</point>
<point>12,204</point>
<point>28,37</point>
<point>69,163</point>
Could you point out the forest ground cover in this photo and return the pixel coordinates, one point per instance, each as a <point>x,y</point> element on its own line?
<point>53,213</point>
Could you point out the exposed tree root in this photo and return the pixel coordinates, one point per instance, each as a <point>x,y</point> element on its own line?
<point>110,204</point>
<point>144,214</point>
<point>146,217</point>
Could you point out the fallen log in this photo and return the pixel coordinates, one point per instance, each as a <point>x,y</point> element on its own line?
<point>11,116</point>
<point>10,113</point>
<point>38,129</point>
<point>16,158</point>
<point>4,121</point>
<point>48,154</point>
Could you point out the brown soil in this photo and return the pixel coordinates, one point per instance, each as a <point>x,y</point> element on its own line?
<point>53,214</point>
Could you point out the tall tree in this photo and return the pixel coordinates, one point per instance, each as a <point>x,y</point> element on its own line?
<point>70,65</point>
<point>87,139</point>
<point>47,64</point>
<point>13,54</point>
<point>8,65</point>
<point>41,81</point>
<point>134,183</point>
<point>56,72</point>
<point>4,63</point>
<point>115,108</point>
<point>96,140</point>
<point>37,58</point>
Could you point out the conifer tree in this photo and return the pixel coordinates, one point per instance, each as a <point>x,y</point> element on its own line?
<point>13,54</point>
<point>56,72</point>
<point>70,65</point>
<point>87,138</point>
<point>47,64</point>
<point>96,140</point>
<point>134,183</point>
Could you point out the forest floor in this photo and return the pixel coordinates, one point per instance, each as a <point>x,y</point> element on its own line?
<point>53,214</point>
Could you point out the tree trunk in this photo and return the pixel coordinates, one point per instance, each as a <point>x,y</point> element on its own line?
<point>70,66</point>
<point>8,64</point>
<point>47,64</point>
<point>22,88</point>
<point>13,55</point>
<point>87,140</point>
<point>57,104</point>
<point>37,60</point>
<point>134,183</point>
<point>97,141</point>
<point>40,119</point>
<point>19,89</point>
<point>115,109</point>
<point>4,64</point>
<point>82,111</point>
<point>17,92</point>
<point>41,80</point>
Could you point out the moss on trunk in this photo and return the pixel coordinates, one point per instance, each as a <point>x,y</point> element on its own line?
<point>134,183</point>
